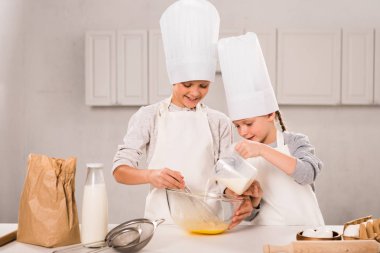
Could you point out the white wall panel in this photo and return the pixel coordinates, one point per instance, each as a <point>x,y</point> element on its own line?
<point>377,68</point>
<point>358,66</point>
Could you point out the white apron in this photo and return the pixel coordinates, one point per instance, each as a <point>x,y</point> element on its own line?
<point>285,202</point>
<point>184,143</point>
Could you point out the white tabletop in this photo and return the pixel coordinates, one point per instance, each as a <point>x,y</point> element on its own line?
<point>171,238</point>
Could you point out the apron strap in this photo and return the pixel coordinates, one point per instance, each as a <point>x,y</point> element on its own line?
<point>280,139</point>
<point>164,107</point>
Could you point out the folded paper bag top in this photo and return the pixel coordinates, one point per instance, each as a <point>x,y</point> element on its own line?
<point>47,213</point>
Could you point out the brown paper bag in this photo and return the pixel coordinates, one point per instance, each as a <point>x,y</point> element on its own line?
<point>48,214</point>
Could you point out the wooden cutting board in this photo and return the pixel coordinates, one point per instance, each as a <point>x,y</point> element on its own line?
<point>352,246</point>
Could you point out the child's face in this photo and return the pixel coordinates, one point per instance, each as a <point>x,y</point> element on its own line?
<point>257,128</point>
<point>189,94</point>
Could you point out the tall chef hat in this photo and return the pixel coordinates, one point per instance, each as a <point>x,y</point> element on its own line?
<point>248,89</point>
<point>190,30</point>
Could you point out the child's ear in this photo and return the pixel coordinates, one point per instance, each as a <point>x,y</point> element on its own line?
<point>271,116</point>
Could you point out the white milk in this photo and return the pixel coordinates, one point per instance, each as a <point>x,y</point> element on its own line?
<point>94,213</point>
<point>237,185</point>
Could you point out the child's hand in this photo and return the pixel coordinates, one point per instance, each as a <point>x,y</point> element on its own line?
<point>242,212</point>
<point>248,148</point>
<point>166,178</point>
<point>255,193</point>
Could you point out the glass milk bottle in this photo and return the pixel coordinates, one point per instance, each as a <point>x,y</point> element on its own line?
<point>94,206</point>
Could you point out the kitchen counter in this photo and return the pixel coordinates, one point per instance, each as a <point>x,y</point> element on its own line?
<point>171,238</point>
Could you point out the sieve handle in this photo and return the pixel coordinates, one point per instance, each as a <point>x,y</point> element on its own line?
<point>78,246</point>
<point>98,250</point>
<point>158,222</point>
<point>68,249</point>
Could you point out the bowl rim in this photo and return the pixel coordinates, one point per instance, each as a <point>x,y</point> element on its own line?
<point>215,196</point>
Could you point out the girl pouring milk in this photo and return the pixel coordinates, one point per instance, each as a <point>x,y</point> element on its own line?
<point>183,138</point>
<point>286,163</point>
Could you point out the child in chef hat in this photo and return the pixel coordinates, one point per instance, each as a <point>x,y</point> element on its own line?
<point>182,137</point>
<point>286,163</point>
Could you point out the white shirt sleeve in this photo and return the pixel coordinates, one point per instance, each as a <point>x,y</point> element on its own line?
<point>137,139</point>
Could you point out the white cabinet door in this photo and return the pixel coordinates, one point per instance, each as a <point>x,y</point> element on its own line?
<point>116,68</point>
<point>268,43</point>
<point>377,67</point>
<point>159,85</point>
<point>308,70</point>
<point>100,70</point>
<point>358,66</point>
<point>132,68</point>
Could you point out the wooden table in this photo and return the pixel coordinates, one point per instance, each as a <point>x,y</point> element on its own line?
<point>171,238</point>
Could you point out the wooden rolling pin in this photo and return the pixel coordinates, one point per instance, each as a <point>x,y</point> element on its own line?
<point>352,246</point>
<point>8,238</point>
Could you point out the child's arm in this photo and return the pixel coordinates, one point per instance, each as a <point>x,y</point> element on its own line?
<point>303,165</point>
<point>282,161</point>
<point>308,164</point>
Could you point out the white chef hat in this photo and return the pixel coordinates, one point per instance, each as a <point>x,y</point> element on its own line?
<point>190,30</point>
<point>248,89</point>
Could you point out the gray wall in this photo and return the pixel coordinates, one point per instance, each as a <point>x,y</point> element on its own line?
<point>42,107</point>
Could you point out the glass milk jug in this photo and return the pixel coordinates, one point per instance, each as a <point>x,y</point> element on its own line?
<point>94,206</point>
<point>235,173</point>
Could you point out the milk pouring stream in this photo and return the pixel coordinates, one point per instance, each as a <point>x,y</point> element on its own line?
<point>94,206</point>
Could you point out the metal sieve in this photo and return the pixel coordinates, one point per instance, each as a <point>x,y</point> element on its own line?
<point>129,236</point>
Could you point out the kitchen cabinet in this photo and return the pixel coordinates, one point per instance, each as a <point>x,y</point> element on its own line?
<point>358,66</point>
<point>306,66</point>
<point>309,66</point>
<point>377,67</point>
<point>116,67</point>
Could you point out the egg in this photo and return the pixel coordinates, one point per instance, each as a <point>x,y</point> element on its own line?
<point>352,230</point>
<point>309,233</point>
<point>324,233</point>
<point>318,233</point>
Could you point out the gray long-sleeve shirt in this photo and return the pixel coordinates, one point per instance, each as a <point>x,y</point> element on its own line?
<point>308,164</point>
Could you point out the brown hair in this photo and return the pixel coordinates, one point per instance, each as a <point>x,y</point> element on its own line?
<point>279,118</point>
